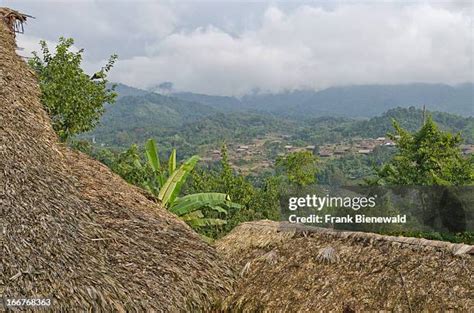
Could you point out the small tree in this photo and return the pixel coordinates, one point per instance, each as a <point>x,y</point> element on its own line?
<point>426,158</point>
<point>74,100</point>
<point>299,167</point>
<point>430,157</point>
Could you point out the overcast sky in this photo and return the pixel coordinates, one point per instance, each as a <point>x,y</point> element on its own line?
<point>236,47</point>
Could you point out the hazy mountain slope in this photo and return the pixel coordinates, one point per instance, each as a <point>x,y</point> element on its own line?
<point>222,103</point>
<point>125,91</point>
<point>349,101</point>
<point>235,126</point>
<point>281,103</point>
<point>371,100</point>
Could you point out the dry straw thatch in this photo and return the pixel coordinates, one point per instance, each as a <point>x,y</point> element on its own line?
<point>284,268</point>
<point>72,230</point>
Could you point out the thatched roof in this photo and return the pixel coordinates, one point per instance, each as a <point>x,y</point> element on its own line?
<point>72,230</point>
<point>289,269</point>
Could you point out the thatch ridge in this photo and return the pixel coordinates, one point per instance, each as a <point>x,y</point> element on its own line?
<point>455,248</point>
<point>13,19</point>
<point>72,230</point>
<point>284,268</point>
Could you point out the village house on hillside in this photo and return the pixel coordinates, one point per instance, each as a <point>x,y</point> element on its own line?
<point>358,145</point>
<point>467,149</point>
<point>325,153</point>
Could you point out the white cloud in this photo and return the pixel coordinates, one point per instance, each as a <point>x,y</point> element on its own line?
<point>314,48</point>
<point>289,47</point>
<point>101,27</point>
<point>27,44</point>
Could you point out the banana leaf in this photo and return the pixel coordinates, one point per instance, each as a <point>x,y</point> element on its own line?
<point>171,188</point>
<point>172,162</point>
<point>193,202</point>
<point>197,219</point>
<point>152,155</point>
<point>201,222</point>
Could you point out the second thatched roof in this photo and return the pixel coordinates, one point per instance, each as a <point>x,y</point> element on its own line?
<point>283,268</point>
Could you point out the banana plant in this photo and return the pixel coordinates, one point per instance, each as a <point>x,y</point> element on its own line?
<point>189,208</point>
<point>172,186</point>
<point>166,186</point>
<point>158,172</point>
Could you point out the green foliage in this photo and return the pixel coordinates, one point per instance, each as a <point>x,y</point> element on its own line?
<point>172,161</point>
<point>158,175</point>
<point>82,145</point>
<point>194,128</point>
<point>335,129</point>
<point>190,208</point>
<point>172,186</point>
<point>427,157</point>
<point>73,100</point>
<point>256,203</point>
<point>299,167</point>
<point>411,119</point>
<point>353,169</point>
<point>128,165</point>
<point>166,183</point>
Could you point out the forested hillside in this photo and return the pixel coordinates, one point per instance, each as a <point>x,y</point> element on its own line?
<point>225,104</point>
<point>412,119</point>
<point>134,118</point>
<point>333,129</point>
<point>193,127</point>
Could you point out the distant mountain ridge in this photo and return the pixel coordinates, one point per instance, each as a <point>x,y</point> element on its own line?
<point>363,101</point>
<point>123,90</point>
<point>351,101</point>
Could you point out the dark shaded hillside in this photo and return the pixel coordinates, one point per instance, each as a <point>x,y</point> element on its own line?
<point>411,119</point>
<point>282,103</point>
<point>134,118</point>
<point>188,125</point>
<point>321,130</point>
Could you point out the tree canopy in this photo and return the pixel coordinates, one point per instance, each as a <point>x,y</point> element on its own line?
<point>74,100</point>
<point>427,157</point>
<point>299,167</point>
